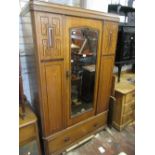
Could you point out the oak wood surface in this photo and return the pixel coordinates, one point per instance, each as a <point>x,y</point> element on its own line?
<point>117,109</point>
<point>124,109</point>
<point>110,31</point>
<point>49,57</point>
<point>29,119</point>
<point>124,86</point>
<point>72,134</point>
<point>106,69</point>
<point>73,22</point>
<point>28,129</point>
<point>128,117</point>
<point>27,133</point>
<point>52,97</point>
<point>45,22</point>
<point>128,107</point>
<point>130,96</point>
<point>53,94</point>
<point>123,112</point>
<point>67,10</point>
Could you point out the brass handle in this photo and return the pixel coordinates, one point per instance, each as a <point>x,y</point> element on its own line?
<point>50,37</point>
<point>66,139</point>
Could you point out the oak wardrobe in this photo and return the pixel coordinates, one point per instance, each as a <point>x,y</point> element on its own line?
<point>72,53</point>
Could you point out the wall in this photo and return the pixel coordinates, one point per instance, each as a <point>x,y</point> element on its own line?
<point>102,5</point>
<point>24,52</point>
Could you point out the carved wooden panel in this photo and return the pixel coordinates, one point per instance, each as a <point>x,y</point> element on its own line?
<point>49,42</point>
<point>110,30</point>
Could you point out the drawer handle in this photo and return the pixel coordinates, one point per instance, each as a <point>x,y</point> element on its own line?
<point>66,139</point>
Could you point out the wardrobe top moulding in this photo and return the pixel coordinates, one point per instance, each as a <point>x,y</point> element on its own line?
<point>67,10</point>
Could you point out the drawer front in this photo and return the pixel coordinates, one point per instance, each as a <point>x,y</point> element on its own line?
<point>26,133</point>
<point>70,135</point>
<point>128,108</point>
<point>130,97</point>
<point>128,117</point>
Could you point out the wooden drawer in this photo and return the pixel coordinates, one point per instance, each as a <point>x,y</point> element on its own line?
<point>26,133</point>
<point>128,117</point>
<point>128,107</point>
<point>72,134</point>
<point>130,97</point>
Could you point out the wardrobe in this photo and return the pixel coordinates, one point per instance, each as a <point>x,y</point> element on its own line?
<point>73,55</point>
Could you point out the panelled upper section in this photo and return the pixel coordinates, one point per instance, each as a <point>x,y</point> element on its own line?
<point>49,35</point>
<point>110,30</point>
<point>67,10</point>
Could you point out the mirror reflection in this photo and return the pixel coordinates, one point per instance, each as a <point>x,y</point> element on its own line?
<point>83,63</point>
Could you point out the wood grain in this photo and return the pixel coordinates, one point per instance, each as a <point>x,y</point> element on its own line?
<point>72,134</point>
<point>28,129</point>
<point>110,31</point>
<point>106,69</point>
<point>44,22</point>
<point>124,109</point>
<point>67,10</point>
<point>73,22</point>
<point>53,93</point>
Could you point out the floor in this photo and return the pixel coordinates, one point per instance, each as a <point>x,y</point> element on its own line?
<point>110,142</point>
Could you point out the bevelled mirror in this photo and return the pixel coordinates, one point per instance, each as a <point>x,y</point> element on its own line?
<point>84,43</point>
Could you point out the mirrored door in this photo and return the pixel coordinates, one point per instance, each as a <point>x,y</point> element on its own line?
<point>83,44</point>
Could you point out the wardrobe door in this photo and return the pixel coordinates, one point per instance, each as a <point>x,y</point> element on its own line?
<point>110,30</point>
<point>48,30</point>
<point>83,41</point>
<point>53,96</point>
<point>106,70</point>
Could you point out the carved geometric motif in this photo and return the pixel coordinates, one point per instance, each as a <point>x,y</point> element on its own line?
<point>55,23</point>
<point>44,25</point>
<point>45,47</point>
